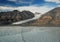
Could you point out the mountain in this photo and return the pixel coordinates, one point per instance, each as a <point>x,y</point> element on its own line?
<point>51,18</point>
<point>14,16</point>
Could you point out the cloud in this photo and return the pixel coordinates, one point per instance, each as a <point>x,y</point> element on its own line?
<point>58,5</point>
<point>40,9</point>
<point>56,1</point>
<point>22,1</point>
<point>12,0</point>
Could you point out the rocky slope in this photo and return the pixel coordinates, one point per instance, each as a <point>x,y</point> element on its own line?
<point>51,18</point>
<point>14,16</point>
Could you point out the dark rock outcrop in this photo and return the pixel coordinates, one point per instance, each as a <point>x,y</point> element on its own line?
<point>14,16</point>
<point>51,18</point>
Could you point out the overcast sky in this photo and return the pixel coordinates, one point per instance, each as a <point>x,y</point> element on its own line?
<point>40,6</point>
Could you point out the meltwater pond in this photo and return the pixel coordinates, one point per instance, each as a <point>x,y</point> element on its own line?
<point>29,34</point>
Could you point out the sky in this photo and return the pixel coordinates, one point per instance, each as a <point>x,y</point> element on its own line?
<point>41,6</point>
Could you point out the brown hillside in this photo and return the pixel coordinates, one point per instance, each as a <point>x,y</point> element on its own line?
<point>51,18</point>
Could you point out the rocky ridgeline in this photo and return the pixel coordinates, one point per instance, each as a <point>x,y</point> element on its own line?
<point>51,18</point>
<point>14,16</point>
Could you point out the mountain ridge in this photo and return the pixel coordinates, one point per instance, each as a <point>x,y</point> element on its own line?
<point>14,16</point>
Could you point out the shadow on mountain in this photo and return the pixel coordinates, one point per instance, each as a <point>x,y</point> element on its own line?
<point>7,18</point>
